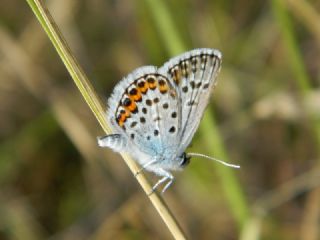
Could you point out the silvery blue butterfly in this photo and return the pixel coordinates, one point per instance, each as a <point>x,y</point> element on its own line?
<point>154,112</point>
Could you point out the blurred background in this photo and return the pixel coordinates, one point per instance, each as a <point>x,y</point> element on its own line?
<point>55,183</point>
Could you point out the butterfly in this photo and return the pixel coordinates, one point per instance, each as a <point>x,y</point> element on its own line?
<point>155,112</point>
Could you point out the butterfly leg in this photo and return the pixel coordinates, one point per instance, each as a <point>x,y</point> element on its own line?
<point>145,166</point>
<point>114,141</point>
<point>166,175</point>
<point>168,184</point>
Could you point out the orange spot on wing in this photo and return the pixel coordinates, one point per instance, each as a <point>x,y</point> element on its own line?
<point>185,68</point>
<point>152,86</point>
<point>127,114</point>
<point>176,74</point>
<point>122,117</point>
<point>132,107</point>
<point>152,83</point>
<point>144,89</point>
<point>164,88</point>
<point>136,96</point>
<point>142,86</point>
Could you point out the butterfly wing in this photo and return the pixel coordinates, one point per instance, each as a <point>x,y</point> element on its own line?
<point>155,112</point>
<point>194,76</point>
<point>142,109</point>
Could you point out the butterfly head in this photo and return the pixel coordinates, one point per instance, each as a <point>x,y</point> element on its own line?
<point>184,160</point>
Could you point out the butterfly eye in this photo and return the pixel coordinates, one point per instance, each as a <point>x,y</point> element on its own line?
<point>185,160</point>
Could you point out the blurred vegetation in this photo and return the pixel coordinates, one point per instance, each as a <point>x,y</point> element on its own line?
<point>55,183</point>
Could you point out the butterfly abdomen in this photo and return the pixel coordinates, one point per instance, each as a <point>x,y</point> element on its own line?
<point>114,141</point>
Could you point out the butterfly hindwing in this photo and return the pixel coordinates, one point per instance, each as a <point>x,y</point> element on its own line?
<point>142,111</point>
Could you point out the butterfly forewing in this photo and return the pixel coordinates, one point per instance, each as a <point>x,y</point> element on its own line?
<point>194,76</point>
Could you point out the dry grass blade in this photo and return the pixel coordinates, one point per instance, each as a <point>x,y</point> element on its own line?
<point>92,100</point>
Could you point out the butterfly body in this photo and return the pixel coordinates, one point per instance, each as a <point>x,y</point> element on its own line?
<point>154,112</point>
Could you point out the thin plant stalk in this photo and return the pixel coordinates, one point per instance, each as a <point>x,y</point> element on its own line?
<point>88,93</point>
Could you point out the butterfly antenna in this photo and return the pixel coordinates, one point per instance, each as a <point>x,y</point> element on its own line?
<point>214,159</point>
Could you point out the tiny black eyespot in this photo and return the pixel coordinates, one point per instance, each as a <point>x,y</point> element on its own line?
<point>185,89</point>
<point>156,100</point>
<point>148,137</point>
<point>174,115</point>
<point>151,79</point>
<point>141,84</point>
<point>156,132</point>
<point>192,84</point>
<point>133,124</point>
<point>126,102</point>
<point>132,136</point>
<point>142,120</point>
<point>165,105</point>
<point>172,129</point>
<point>133,91</point>
<point>198,85</point>
<point>148,102</point>
<point>144,110</point>
<point>206,86</point>
<point>162,82</point>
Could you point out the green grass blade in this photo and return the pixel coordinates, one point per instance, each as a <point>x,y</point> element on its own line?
<point>174,44</point>
<point>295,59</point>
